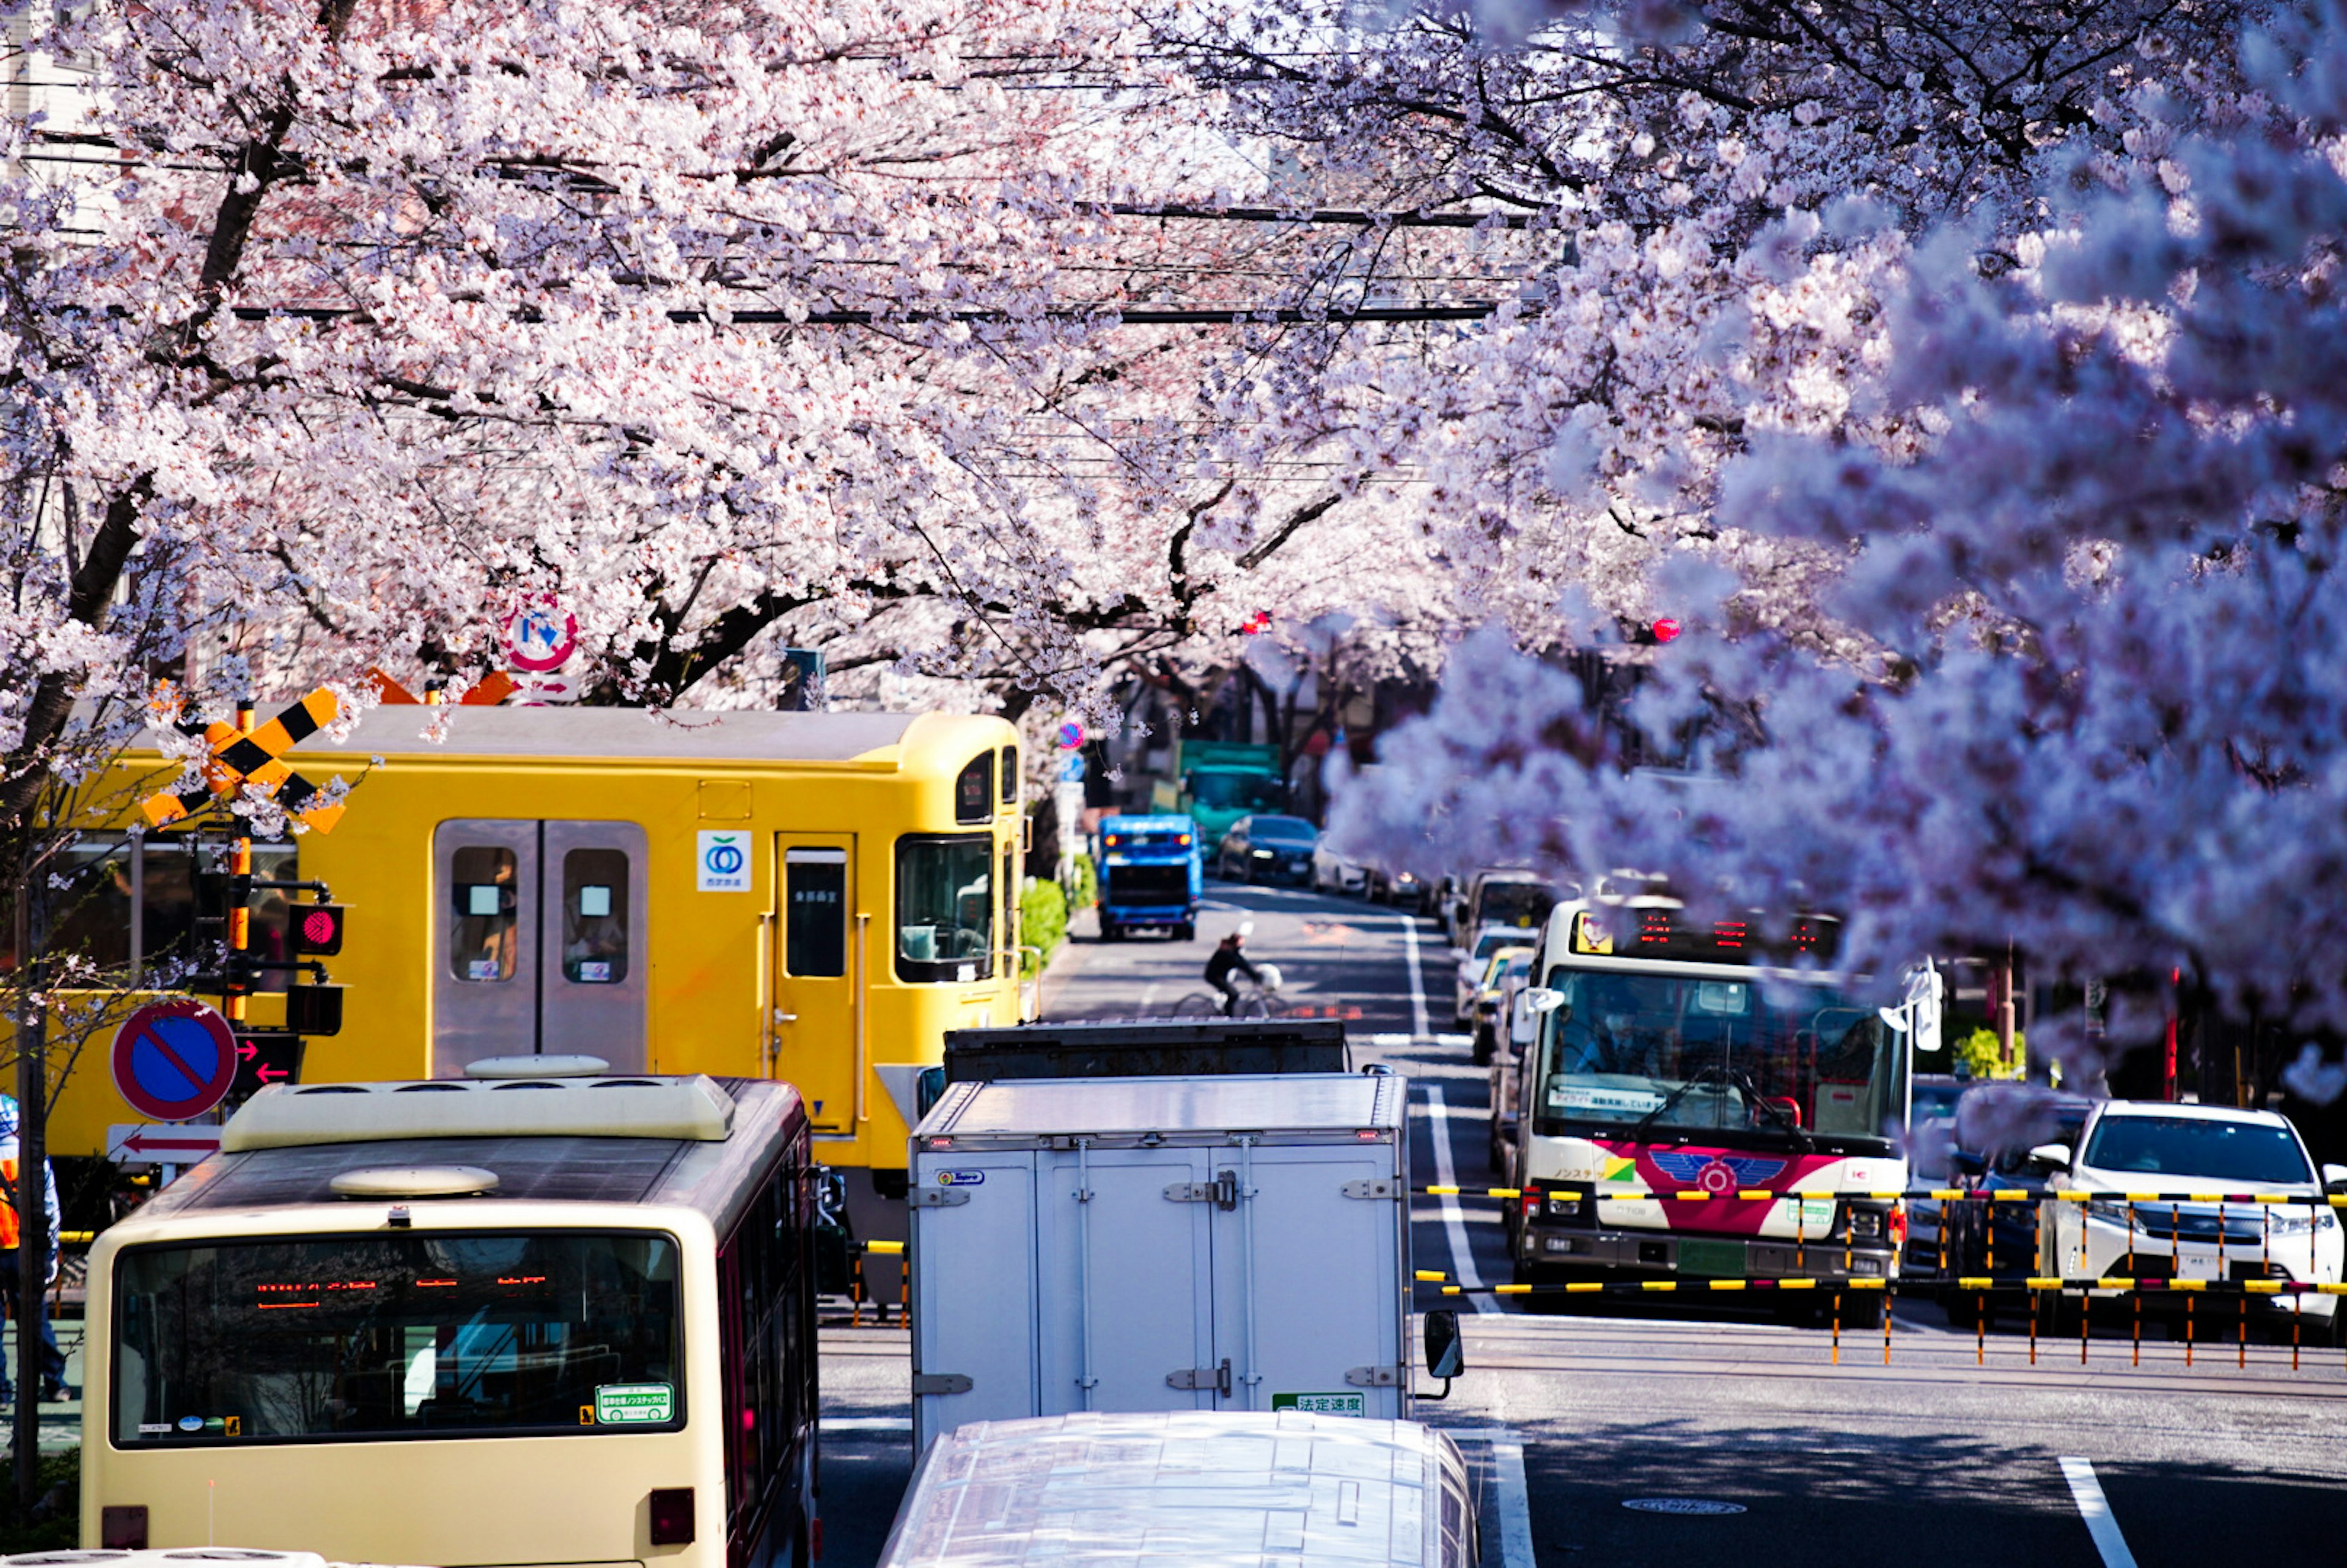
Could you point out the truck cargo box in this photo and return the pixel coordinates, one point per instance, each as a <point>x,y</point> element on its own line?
<point>1235,1242</point>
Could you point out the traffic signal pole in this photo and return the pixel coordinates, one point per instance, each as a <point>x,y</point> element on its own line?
<point>31,1192</point>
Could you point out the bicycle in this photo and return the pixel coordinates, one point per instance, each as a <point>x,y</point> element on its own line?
<point>1256,999</point>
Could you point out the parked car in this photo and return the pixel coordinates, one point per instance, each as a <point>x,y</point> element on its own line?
<point>1484,1008</point>
<point>1519,1031</point>
<point>1265,847</point>
<point>1402,889</point>
<point>1335,873</point>
<point>1474,963</point>
<point>1997,1237</point>
<point>2138,1146</point>
<point>1518,898</point>
<point>1931,1143</point>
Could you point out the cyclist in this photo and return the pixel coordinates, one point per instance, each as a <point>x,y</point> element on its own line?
<point>1226,957</point>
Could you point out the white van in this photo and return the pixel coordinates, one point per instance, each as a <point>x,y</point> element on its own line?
<point>1287,1486</point>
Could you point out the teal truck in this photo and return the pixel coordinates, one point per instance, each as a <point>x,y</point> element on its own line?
<point>1215,783</point>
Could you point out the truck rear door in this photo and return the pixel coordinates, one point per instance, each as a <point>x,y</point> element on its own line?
<point>1127,1274</point>
<point>1316,1249</point>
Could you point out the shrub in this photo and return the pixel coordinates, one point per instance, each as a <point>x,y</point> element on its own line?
<point>1043,923</point>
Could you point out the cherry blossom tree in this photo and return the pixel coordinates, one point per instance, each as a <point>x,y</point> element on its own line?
<point>2082,693</point>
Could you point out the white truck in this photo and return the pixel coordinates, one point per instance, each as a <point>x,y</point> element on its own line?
<point>1235,1242</point>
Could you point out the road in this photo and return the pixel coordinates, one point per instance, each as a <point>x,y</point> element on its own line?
<point>1962,1449</point>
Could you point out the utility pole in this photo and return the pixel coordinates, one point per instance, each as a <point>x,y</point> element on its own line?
<point>32,1190</point>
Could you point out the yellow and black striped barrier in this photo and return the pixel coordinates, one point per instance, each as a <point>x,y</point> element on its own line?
<point>2109,1284</point>
<point>1944,1194</point>
<point>2110,1289</point>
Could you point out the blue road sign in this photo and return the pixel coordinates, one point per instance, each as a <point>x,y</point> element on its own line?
<point>174,1061</point>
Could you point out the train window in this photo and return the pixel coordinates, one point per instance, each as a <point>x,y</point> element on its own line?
<point>106,882</point>
<point>1008,773</point>
<point>974,790</point>
<point>945,907</point>
<point>814,912</point>
<point>595,916</point>
<point>473,1333</point>
<point>487,893</point>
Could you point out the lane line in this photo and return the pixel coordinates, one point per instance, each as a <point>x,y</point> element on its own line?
<point>1454,1219</point>
<point>2095,1509</point>
<point>1512,1496</point>
<point>1515,1502</point>
<point>1417,981</point>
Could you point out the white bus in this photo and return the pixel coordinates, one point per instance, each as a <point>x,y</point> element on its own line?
<point>1711,1099</point>
<point>520,1318</point>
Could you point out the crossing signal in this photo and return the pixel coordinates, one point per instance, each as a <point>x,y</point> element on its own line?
<point>313,1010</point>
<point>317,929</point>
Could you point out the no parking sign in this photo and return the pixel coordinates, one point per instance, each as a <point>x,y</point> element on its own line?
<point>174,1061</point>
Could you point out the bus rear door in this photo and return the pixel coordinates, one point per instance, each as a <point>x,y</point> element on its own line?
<point>539,941</point>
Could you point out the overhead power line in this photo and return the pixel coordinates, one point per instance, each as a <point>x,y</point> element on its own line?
<point>1138,316</point>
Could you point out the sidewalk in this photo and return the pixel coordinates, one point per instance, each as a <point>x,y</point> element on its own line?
<point>1083,935</point>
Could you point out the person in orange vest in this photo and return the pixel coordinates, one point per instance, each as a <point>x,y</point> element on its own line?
<point>53,1360</point>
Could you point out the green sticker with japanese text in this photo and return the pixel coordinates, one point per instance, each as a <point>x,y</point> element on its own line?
<point>634,1404</point>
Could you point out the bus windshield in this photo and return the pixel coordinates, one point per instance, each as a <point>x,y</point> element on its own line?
<point>325,1339</point>
<point>1673,1052</point>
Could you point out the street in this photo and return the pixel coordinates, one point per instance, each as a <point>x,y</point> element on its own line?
<point>1742,1438</point>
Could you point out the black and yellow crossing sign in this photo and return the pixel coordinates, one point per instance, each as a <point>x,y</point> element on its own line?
<point>256,757</point>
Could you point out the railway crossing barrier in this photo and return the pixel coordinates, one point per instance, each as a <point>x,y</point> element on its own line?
<point>2051,1296</point>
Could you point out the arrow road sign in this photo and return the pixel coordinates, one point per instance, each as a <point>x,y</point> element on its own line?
<point>174,1061</point>
<point>144,1144</point>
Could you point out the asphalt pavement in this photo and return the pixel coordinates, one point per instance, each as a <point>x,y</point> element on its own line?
<point>1664,1431</point>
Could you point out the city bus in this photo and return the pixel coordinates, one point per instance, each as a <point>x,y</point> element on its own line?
<point>1725,1060</point>
<point>817,897</point>
<point>520,1318</point>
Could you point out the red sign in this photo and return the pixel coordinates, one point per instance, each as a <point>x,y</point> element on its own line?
<point>174,1061</point>
<point>541,635</point>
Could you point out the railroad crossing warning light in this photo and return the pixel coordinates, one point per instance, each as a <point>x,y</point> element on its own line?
<point>313,1010</point>
<point>1260,622</point>
<point>317,928</point>
<point>1648,634</point>
<point>1665,631</point>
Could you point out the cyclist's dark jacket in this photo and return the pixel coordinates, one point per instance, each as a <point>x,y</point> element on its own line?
<point>1224,960</point>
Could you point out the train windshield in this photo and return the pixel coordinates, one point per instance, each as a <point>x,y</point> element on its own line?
<point>1663,1053</point>
<point>397,1336</point>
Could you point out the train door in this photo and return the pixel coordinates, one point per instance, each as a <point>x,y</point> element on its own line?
<point>818,1022</point>
<point>539,941</point>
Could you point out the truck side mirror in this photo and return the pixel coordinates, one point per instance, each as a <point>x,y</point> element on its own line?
<point>2051,1156</point>
<point>2334,1179</point>
<point>1445,1357</point>
<point>1544,998</point>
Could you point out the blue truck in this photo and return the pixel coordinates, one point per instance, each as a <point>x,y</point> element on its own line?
<point>1151,874</point>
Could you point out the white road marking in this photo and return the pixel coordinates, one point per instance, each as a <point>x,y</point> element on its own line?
<point>1512,1497</point>
<point>1417,981</point>
<point>1454,1219</point>
<point>2095,1509</point>
<point>866,1423</point>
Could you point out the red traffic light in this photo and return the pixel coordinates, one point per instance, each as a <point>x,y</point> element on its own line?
<point>317,928</point>
<point>1667,630</point>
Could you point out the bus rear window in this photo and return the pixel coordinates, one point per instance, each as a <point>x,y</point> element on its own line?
<point>354,1339</point>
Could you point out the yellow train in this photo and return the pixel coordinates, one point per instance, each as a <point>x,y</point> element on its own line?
<point>809,897</point>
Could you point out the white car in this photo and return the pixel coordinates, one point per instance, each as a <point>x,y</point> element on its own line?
<point>2143,1147</point>
<point>1335,873</point>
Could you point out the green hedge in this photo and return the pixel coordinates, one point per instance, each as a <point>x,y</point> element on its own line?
<point>1043,923</point>
<point>1086,891</point>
